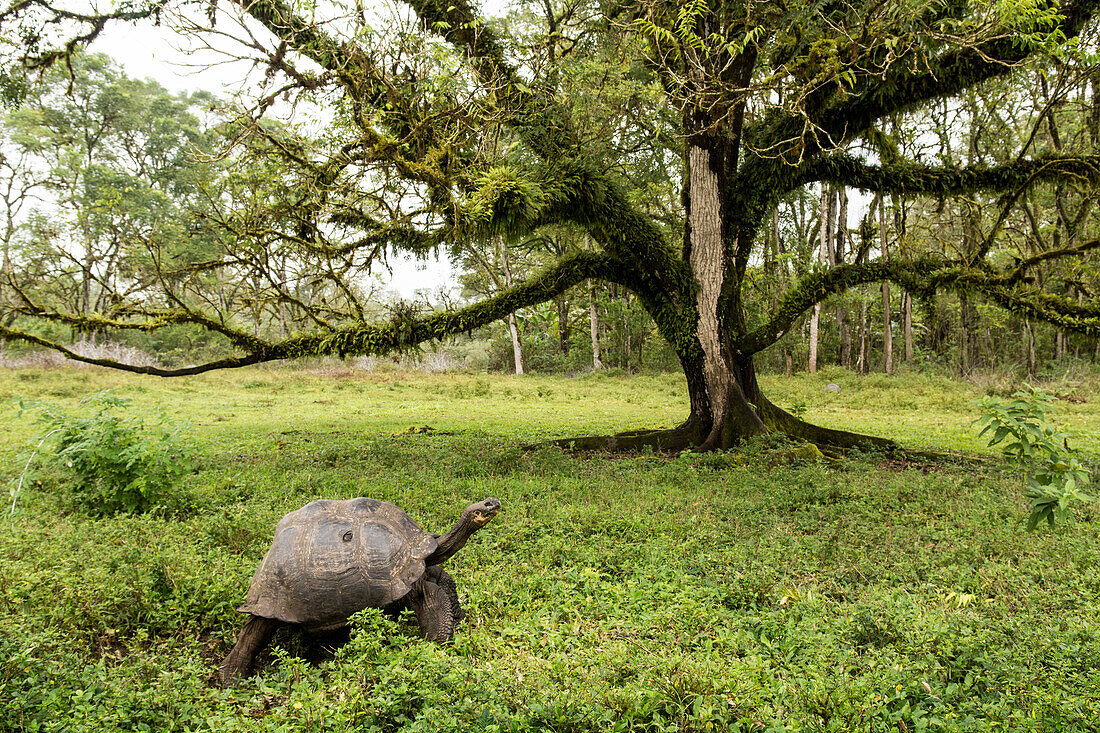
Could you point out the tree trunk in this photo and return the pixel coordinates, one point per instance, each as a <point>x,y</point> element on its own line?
<point>593,317</point>
<point>815,317</point>
<point>843,327</point>
<point>862,359</point>
<point>907,326</point>
<point>517,346</point>
<point>626,331</point>
<point>594,327</point>
<point>887,327</point>
<point>1077,345</point>
<point>563,325</point>
<point>964,334</point>
<point>731,416</point>
<point>1029,338</point>
<point>824,215</point>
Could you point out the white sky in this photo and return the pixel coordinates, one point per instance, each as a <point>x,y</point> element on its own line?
<point>148,52</point>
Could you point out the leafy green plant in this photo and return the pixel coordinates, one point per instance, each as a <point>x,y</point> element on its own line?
<point>120,463</point>
<point>1055,473</point>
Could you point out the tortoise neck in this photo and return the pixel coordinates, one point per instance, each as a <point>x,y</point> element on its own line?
<point>453,541</point>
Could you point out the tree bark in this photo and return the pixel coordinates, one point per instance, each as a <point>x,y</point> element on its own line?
<point>563,325</point>
<point>815,317</point>
<point>513,329</point>
<point>825,215</point>
<point>843,326</point>
<point>627,353</point>
<point>907,326</point>
<point>887,327</point>
<point>593,316</point>
<point>863,358</point>
<point>1029,338</point>
<point>731,416</point>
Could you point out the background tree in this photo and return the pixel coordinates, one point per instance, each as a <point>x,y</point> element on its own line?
<point>113,162</point>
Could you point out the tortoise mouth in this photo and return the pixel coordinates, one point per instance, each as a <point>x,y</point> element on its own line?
<point>483,511</point>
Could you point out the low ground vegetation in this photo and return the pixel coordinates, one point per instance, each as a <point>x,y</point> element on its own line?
<point>648,593</point>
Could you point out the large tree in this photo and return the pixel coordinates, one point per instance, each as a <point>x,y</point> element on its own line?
<point>444,129</point>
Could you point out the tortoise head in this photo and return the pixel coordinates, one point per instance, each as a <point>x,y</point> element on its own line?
<point>481,512</point>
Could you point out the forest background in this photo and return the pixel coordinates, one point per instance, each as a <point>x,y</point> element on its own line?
<point>105,179</point>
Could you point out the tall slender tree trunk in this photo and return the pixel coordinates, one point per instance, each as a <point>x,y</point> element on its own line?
<point>517,346</point>
<point>825,214</point>
<point>781,279</point>
<point>1029,339</point>
<point>965,333</point>
<point>593,316</point>
<point>513,329</point>
<point>563,324</point>
<point>627,348</point>
<point>907,326</point>
<point>865,329</point>
<point>843,327</point>
<point>1077,345</point>
<point>284,316</point>
<point>815,318</point>
<point>863,357</point>
<point>887,327</point>
<point>594,327</point>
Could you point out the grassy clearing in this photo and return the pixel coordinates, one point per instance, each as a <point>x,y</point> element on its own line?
<point>630,593</point>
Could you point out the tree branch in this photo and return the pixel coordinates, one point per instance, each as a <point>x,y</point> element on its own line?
<point>401,333</point>
<point>95,24</point>
<point>1018,274</point>
<point>842,117</point>
<point>929,275</point>
<point>12,334</point>
<point>913,178</point>
<point>405,332</point>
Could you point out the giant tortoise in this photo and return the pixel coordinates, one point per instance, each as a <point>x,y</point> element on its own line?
<point>330,559</point>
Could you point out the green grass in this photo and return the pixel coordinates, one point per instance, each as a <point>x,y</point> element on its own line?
<point>639,593</point>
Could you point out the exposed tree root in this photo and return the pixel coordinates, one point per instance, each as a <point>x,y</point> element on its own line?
<point>780,420</point>
<point>693,434</point>
<point>689,434</point>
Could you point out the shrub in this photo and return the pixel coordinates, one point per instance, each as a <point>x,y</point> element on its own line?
<point>120,464</point>
<point>1054,471</point>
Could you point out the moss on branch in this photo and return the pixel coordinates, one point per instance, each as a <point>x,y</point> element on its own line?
<point>14,334</point>
<point>148,322</point>
<point>403,332</point>
<point>925,275</point>
<point>838,118</point>
<point>913,178</point>
<point>406,331</point>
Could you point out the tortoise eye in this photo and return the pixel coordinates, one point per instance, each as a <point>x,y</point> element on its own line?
<point>347,536</point>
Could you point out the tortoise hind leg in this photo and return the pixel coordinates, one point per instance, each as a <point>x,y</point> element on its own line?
<point>433,611</point>
<point>254,636</point>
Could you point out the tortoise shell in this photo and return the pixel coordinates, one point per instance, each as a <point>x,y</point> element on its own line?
<point>330,559</point>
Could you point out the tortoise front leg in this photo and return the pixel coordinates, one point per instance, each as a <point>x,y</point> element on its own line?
<point>432,607</point>
<point>440,577</point>
<point>254,636</point>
